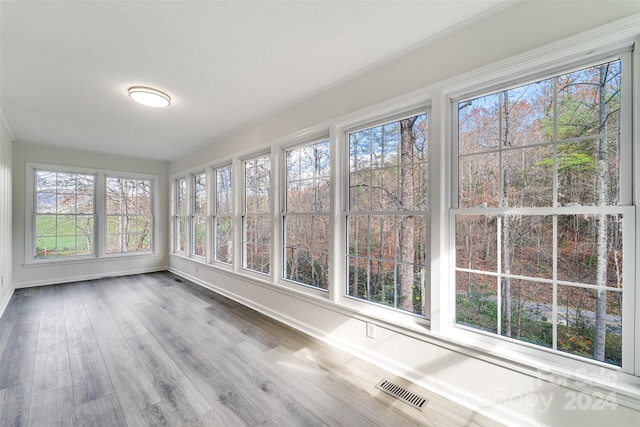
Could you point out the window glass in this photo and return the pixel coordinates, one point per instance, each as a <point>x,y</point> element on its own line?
<point>387,218</point>
<point>223,217</point>
<point>129,215</point>
<point>256,235</point>
<point>64,214</point>
<point>199,217</point>
<point>547,271</point>
<point>181,214</point>
<point>306,221</point>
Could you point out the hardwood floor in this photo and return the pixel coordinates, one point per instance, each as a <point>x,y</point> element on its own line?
<point>149,350</point>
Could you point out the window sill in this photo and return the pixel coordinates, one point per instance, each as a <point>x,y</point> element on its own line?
<point>581,375</point>
<point>385,317</point>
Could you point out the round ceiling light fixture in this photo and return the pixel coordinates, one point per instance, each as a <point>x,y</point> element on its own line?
<point>149,96</point>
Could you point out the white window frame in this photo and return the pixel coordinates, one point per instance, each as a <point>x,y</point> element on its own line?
<point>195,216</point>
<point>285,213</point>
<point>269,215</point>
<point>438,324</point>
<point>507,78</point>
<point>216,216</point>
<point>100,234</point>
<point>393,113</point>
<point>34,214</point>
<point>151,207</point>
<point>176,215</point>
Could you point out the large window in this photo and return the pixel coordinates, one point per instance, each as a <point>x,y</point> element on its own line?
<point>70,206</point>
<point>129,215</point>
<point>180,217</point>
<point>306,219</point>
<point>256,233</point>
<point>64,214</point>
<point>223,217</point>
<point>199,215</point>
<point>541,211</point>
<point>387,214</point>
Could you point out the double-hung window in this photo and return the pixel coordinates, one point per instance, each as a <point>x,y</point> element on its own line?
<point>387,254</point>
<point>543,216</point>
<point>306,218</point>
<point>199,215</point>
<point>69,206</point>
<point>64,214</point>
<point>129,215</point>
<point>223,217</point>
<point>256,219</point>
<point>180,217</point>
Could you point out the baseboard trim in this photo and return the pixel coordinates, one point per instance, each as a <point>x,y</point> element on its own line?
<point>472,402</point>
<point>84,277</point>
<point>4,304</point>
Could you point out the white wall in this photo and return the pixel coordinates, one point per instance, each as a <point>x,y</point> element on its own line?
<point>518,29</point>
<point>6,288</point>
<point>506,389</point>
<point>34,275</point>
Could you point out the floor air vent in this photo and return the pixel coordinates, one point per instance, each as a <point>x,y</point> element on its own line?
<point>402,394</point>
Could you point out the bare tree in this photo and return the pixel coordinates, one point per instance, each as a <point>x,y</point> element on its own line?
<point>600,327</point>
<point>407,224</point>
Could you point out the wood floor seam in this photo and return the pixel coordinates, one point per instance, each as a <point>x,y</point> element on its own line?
<point>148,350</point>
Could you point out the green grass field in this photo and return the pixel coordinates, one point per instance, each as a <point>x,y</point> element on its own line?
<point>64,235</point>
<point>68,235</point>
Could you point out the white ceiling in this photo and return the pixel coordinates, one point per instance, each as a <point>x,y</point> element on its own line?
<point>65,66</point>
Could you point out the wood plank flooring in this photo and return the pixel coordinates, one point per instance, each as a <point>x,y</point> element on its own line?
<point>153,349</point>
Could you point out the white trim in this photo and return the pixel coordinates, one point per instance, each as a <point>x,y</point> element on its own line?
<point>428,382</point>
<point>414,106</point>
<point>100,214</point>
<point>213,217</point>
<point>502,79</point>
<point>4,304</point>
<point>86,259</point>
<point>175,217</point>
<point>627,390</point>
<point>153,233</point>
<point>596,44</point>
<point>85,277</point>
<point>243,214</point>
<point>371,67</point>
<point>635,143</point>
<point>283,212</point>
<point>193,215</point>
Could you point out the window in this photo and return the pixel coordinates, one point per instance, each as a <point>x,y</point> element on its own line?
<point>542,201</point>
<point>223,217</point>
<point>69,205</point>
<point>64,214</point>
<point>256,236</point>
<point>180,214</point>
<point>306,219</point>
<point>199,215</point>
<point>387,214</point>
<point>129,215</point>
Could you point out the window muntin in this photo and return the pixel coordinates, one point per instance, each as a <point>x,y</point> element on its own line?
<point>387,215</point>
<point>199,215</point>
<point>64,214</point>
<point>539,223</point>
<point>256,220</point>
<point>223,217</point>
<point>129,215</point>
<point>306,218</point>
<point>180,218</point>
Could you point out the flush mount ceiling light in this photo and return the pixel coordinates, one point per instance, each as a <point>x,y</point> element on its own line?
<point>149,96</point>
